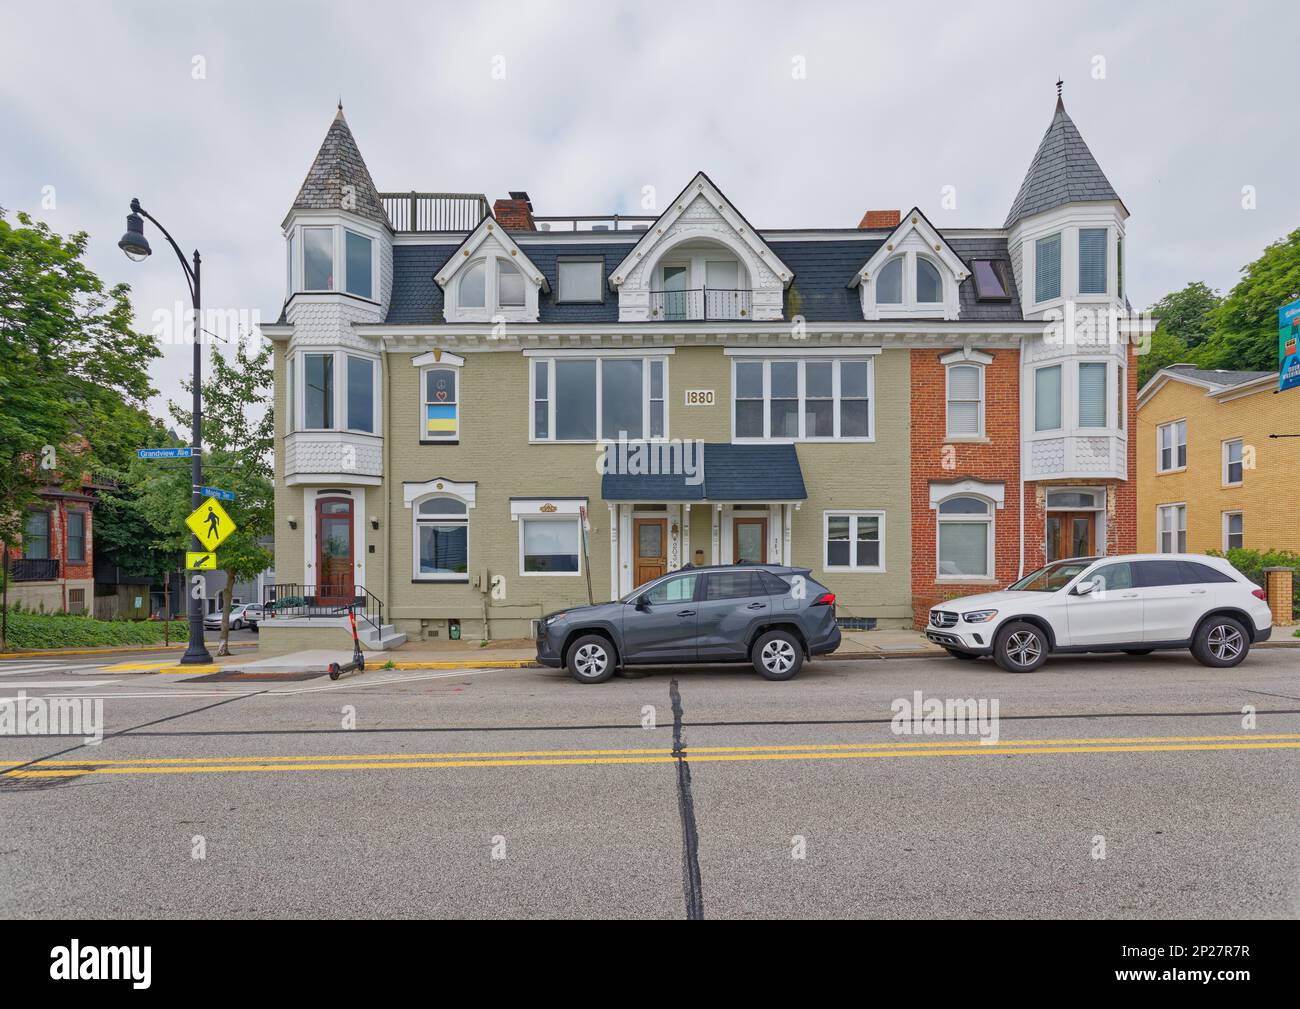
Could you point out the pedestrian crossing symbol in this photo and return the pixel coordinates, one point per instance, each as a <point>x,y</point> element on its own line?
<point>210,523</point>
<point>200,560</point>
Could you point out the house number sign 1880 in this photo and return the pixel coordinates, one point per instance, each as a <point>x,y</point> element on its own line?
<point>699,397</point>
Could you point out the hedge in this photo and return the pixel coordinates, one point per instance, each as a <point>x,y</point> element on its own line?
<point>63,630</point>
<point>1252,563</point>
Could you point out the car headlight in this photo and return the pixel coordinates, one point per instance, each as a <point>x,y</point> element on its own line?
<point>553,618</point>
<point>979,616</point>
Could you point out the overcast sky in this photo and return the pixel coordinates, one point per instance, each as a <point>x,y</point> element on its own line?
<point>1182,104</point>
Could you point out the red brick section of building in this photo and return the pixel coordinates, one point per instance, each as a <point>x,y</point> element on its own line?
<point>516,213</point>
<point>934,459</point>
<point>881,219</point>
<point>57,504</point>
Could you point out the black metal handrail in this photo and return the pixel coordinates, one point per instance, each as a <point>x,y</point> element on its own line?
<point>294,599</point>
<point>34,569</point>
<point>701,304</point>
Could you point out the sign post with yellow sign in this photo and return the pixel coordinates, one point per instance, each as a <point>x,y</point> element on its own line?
<point>210,524</point>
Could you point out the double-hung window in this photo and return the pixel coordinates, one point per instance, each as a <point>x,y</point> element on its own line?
<point>1092,393</point>
<point>598,398</point>
<point>1047,398</point>
<point>36,536</point>
<point>1234,537</point>
<point>817,399</point>
<point>76,537</point>
<point>1092,260</point>
<point>1233,461</point>
<point>854,541</point>
<point>965,410</point>
<point>441,406</point>
<point>1171,529</point>
<point>1171,446</point>
<point>965,547</point>
<point>1047,268</point>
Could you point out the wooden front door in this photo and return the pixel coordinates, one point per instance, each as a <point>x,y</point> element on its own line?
<point>650,541</point>
<point>1071,534</point>
<point>749,540</point>
<point>335,583</point>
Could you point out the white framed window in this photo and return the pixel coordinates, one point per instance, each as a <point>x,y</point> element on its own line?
<point>1047,268</point>
<point>472,289</point>
<point>1047,398</point>
<point>510,285</point>
<point>339,392</point>
<point>965,538</point>
<point>1092,260</point>
<point>288,280</point>
<point>358,264</point>
<point>965,400</point>
<point>929,282</point>
<point>440,403</point>
<point>1171,446</point>
<point>441,539</point>
<point>853,541</point>
<point>1171,529</point>
<point>1232,462</point>
<point>1234,531</point>
<point>803,399</point>
<point>889,282</point>
<point>580,281</point>
<point>550,545</point>
<point>318,259</point>
<point>599,398</point>
<point>1093,400</point>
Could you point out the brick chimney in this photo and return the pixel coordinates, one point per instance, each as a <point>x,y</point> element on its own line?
<point>881,219</point>
<point>516,213</point>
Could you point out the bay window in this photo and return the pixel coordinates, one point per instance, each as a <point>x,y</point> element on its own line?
<point>598,398</point>
<point>339,392</point>
<point>1092,393</point>
<point>1047,398</point>
<point>357,264</point>
<point>1092,260</point>
<point>318,259</point>
<point>1047,268</point>
<point>318,404</point>
<point>361,394</point>
<point>812,399</point>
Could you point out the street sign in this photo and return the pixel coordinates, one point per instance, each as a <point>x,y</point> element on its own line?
<point>220,495</point>
<point>210,523</point>
<point>200,560</point>
<point>164,453</point>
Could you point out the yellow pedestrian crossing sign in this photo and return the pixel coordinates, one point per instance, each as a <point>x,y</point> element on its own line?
<point>210,523</point>
<point>200,560</point>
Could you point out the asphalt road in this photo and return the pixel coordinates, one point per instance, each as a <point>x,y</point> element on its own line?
<point>521,793</point>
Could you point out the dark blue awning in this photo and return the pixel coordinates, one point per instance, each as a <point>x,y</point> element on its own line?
<point>672,472</point>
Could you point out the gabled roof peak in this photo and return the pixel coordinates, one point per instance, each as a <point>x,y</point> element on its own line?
<point>339,179</point>
<point>1063,171</point>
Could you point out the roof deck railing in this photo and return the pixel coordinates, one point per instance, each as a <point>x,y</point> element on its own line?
<point>594,222</point>
<point>415,211</point>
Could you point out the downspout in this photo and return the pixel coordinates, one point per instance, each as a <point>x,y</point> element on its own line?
<point>1020,466</point>
<point>388,481</point>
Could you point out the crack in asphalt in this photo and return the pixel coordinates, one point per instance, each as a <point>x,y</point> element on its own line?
<point>692,889</point>
<point>122,732</point>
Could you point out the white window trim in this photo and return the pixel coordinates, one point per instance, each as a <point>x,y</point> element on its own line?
<point>297,253</point>
<point>1160,527</point>
<point>1173,457</point>
<point>340,390</point>
<point>991,541</point>
<point>549,360</point>
<point>1227,516</point>
<point>1108,405</point>
<point>1061,268</point>
<point>562,261</point>
<point>427,363</point>
<point>836,361</point>
<point>414,503</point>
<point>1224,447</point>
<point>853,515</point>
<point>1106,272</point>
<point>343,262</point>
<point>1064,398</point>
<point>949,434</point>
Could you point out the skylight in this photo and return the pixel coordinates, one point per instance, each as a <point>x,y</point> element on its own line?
<point>991,280</point>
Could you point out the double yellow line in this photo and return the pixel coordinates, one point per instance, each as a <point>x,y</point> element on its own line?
<point>660,755</point>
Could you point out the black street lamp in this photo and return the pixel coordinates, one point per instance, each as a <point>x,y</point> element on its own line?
<point>136,247</point>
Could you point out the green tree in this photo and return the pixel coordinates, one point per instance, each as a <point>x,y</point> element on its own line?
<point>1184,324</point>
<point>1245,335</point>
<point>69,362</point>
<point>239,432</point>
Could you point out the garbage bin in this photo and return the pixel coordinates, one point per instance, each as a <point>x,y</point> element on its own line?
<point>453,630</point>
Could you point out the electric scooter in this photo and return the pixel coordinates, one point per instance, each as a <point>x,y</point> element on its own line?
<point>358,663</point>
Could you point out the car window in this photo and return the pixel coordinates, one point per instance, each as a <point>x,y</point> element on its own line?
<point>674,590</point>
<point>1196,573</point>
<point>773,585</point>
<point>1153,574</point>
<point>1051,578</point>
<point>1113,576</point>
<point>733,585</point>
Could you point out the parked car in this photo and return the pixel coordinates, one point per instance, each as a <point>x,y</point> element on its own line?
<point>241,615</point>
<point>771,616</point>
<point>1137,603</point>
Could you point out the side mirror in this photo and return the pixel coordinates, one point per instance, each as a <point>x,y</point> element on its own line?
<point>1085,587</point>
<point>643,604</point>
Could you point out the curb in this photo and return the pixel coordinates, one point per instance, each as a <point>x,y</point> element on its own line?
<point>111,650</point>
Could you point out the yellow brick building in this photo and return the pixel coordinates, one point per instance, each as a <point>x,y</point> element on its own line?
<point>1210,476</point>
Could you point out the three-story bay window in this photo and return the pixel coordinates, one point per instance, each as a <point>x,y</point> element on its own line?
<point>802,399</point>
<point>333,390</point>
<point>597,398</point>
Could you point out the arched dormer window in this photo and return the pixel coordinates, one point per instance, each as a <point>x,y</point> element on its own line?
<point>929,284</point>
<point>473,286</point>
<point>914,273</point>
<point>889,283</point>
<point>489,278</point>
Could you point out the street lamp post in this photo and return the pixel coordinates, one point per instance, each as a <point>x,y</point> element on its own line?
<point>136,247</point>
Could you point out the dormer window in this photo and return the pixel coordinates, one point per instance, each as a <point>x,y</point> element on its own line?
<point>914,273</point>
<point>929,285</point>
<point>510,286</point>
<point>473,287</point>
<point>889,285</point>
<point>489,278</point>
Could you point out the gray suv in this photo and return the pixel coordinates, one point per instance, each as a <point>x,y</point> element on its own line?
<point>765,614</point>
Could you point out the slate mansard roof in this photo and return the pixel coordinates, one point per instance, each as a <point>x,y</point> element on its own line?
<point>820,292</point>
<point>1063,171</point>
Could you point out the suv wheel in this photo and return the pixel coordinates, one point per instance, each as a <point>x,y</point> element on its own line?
<point>591,659</point>
<point>1220,642</point>
<point>1020,647</point>
<point>777,655</point>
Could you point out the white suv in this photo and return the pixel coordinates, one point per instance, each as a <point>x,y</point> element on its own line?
<point>1135,603</point>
